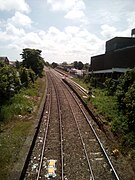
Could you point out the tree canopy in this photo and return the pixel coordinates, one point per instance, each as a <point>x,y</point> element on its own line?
<point>78,65</point>
<point>32,59</point>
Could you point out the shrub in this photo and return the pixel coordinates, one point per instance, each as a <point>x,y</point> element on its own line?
<point>129,101</point>
<point>125,81</point>
<point>110,85</point>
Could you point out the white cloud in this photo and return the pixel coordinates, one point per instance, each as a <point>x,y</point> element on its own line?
<point>131,19</point>
<point>65,5</point>
<point>11,33</point>
<point>72,29</point>
<point>109,32</point>
<point>74,14</point>
<point>19,5</point>
<point>74,42</point>
<point>20,19</point>
<point>74,8</point>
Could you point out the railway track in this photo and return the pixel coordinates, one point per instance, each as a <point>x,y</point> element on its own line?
<point>96,156</point>
<point>67,137</point>
<point>48,146</point>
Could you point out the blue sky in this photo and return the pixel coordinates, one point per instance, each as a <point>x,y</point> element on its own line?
<point>65,30</point>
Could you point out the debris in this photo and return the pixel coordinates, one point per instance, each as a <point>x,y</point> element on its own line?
<point>34,166</point>
<point>115,153</point>
<point>51,169</point>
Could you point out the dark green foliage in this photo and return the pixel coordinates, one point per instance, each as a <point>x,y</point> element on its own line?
<point>17,64</point>
<point>125,81</point>
<point>12,80</point>
<point>78,65</point>
<point>86,66</point>
<point>125,94</point>
<point>24,76</point>
<point>32,59</point>
<point>87,78</point>
<point>9,82</point>
<point>93,81</point>
<point>111,86</point>
<point>129,101</point>
<point>54,65</point>
<point>128,140</point>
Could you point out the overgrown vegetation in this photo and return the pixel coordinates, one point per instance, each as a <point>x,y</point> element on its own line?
<point>19,104</point>
<point>20,94</point>
<point>14,133</point>
<point>13,80</point>
<point>116,102</point>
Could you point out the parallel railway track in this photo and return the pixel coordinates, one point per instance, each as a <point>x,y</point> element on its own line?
<point>67,136</point>
<point>107,171</point>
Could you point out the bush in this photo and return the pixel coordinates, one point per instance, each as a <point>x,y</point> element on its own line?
<point>111,85</point>
<point>20,104</point>
<point>129,101</point>
<point>125,81</point>
<point>9,83</point>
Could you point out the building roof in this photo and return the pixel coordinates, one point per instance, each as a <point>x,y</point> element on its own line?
<point>4,59</point>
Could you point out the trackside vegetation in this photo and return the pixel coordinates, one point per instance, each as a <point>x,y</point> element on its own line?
<point>21,90</point>
<point>13,81</point>
<point>115,101</point>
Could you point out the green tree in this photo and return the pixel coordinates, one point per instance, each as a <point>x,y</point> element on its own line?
<point>54,65</point>
<point>80,65</point>
<point>86,66</point>
<point>75,64</point>
<point>17,64</point>
<point>9,82</point>
<point>32,59</point>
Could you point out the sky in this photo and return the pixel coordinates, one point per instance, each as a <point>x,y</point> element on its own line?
<point>65,30</point>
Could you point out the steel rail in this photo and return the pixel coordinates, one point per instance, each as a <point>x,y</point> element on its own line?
<point>83,90</point>
<point>83,144</point>
<point>61,131</point>
<point>94,132</point>
<point>82,141</point>
<point>44,139</point>
<point>100,143</point>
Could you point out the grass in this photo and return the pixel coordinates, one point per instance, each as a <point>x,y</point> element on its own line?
<point>81,82</point>
<point>108,108</point>
<point>22,103</point>
<point>18,117</point>
<point>11,141</point>
<point>106,105</point>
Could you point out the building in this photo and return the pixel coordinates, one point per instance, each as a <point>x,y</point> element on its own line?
<point>118,57</point>
<point>4,59</point>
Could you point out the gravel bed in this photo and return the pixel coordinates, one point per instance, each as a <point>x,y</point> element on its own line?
<point>110,144</point>
<point>75,163</point>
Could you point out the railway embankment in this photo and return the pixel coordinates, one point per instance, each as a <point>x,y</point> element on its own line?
<point>17,133</point>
